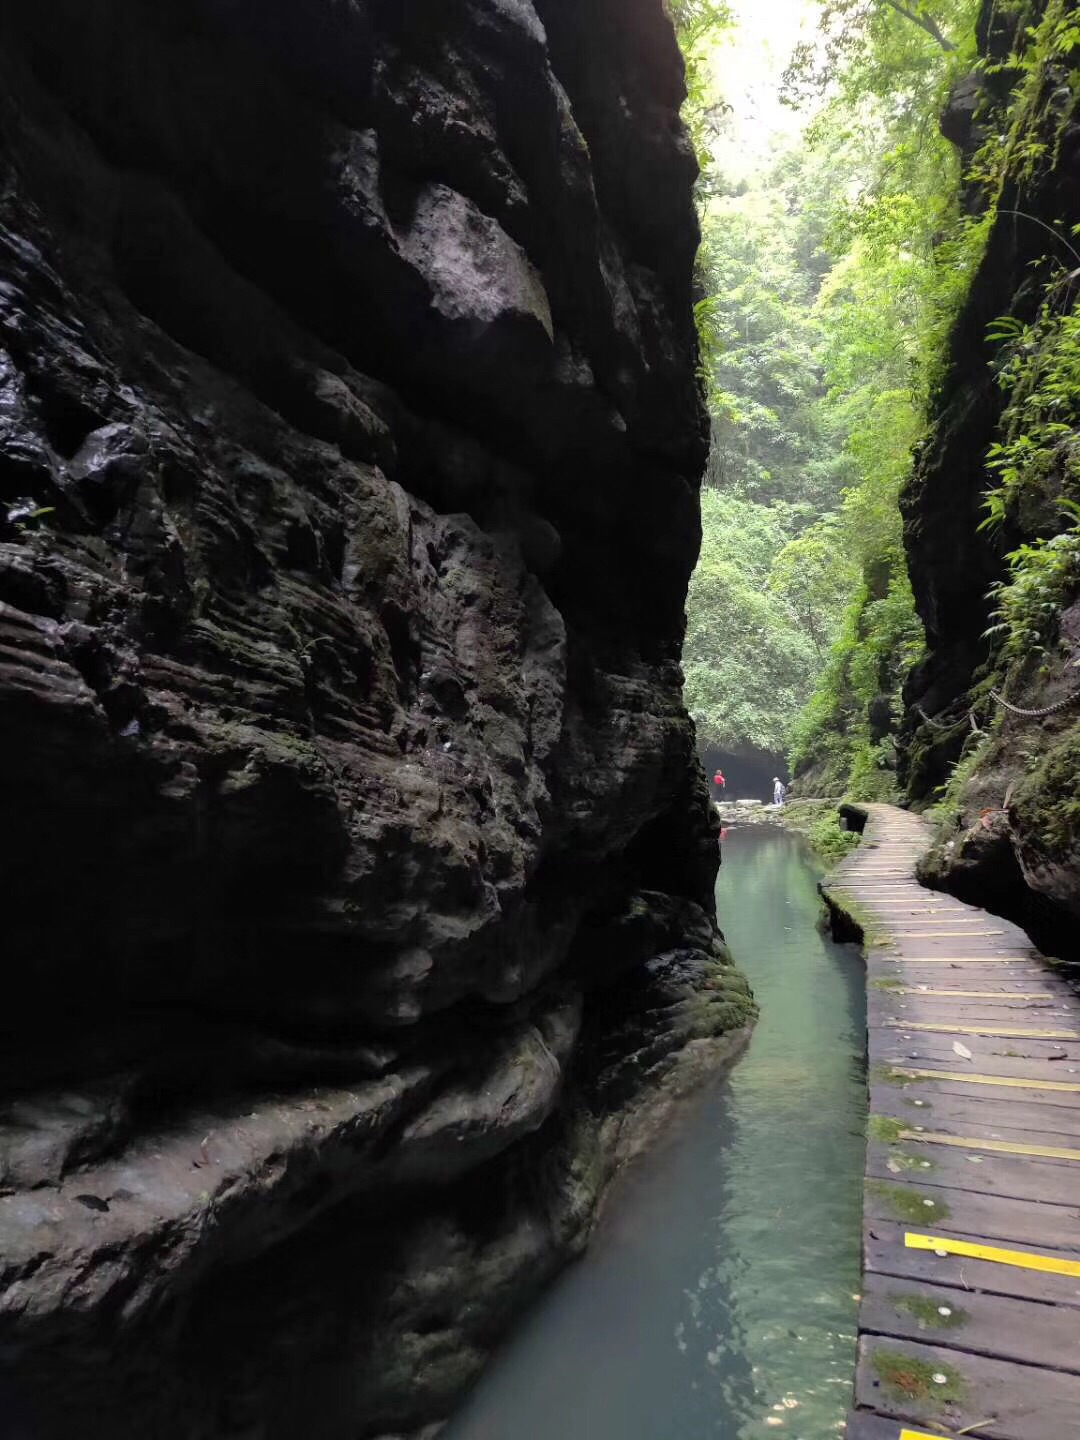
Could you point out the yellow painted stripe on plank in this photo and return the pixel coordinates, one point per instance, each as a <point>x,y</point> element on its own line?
<point>968,1250</point>
<point>919,1435</point>
<point>999,1147</point>
<point>1009,1082</point>
<point>1001,1032</point>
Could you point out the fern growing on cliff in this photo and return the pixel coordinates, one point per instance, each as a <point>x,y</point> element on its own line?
<point>1042,576</point>
<point>1039,452</point>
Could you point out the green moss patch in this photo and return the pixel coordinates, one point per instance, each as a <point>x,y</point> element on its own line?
<point>1047,802</point>
<point>901,1160</point>
<point>886,1075</point>
<point>910,1379</point>
<point>928,1312</point>
<point>908,1205</point>
<point>885,1130</point>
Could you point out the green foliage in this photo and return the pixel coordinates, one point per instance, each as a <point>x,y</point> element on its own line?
<point>880,640</point>
<point>1047,801</point>
<point>904,254</point>
<point>829,841</point>
<point>770,440</point>
<point>1042,77</point>
<point>818,822</point>
<point>891,50</point>
<point>1036,464</point>
<point>698,25</point>
<point>1042,577</point>
<point>832,278</point>
<point>750,657</point>
<point>1039,369</point>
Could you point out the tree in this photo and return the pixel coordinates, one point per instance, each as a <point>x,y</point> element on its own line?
<point>832,275</point>
<point>881,46</point>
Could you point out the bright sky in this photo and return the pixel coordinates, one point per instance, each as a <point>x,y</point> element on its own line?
<point>747,66</point>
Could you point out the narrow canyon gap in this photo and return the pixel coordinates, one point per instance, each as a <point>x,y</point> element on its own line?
<point>360,880</point>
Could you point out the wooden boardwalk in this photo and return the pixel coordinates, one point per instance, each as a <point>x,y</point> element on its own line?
<point>970,1315</point>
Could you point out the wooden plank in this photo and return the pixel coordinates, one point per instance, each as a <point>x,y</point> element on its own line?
<point>967,1094</point>
<point>1035,1148</point>
<point>955,1001</point>
<point>1003,991</point>
<point>1006,1401</point>
<point>990,1055</point>
<point>980,958</point>
<point>889,1008</point>
<point>1032,1020</point>
<point>972,1199</point>
<point>863,1425</point>
<point>1033,1062</point>
<point>885,1253</point>
<point>1002,1032</point>
<point>993,1325</point>
<point>998,1253</point>
<point>997,1219</point>
<point>1009,1177</point>
<point>1031,1113</point>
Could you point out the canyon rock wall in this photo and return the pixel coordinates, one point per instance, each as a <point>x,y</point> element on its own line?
<point>359,862</point>
<point>1012,811</point>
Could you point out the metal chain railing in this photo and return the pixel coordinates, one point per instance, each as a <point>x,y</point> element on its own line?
<point>1040,714</point>
<point>1037,714</point>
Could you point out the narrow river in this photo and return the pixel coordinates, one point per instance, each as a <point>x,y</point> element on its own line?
<point>719,1295</point>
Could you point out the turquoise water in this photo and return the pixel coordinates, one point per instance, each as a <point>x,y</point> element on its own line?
<point>718,1298</point>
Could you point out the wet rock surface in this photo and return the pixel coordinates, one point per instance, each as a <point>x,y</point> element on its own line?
<point>361,865</point>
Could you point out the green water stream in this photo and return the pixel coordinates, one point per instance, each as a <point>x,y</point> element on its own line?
<point>719,1296</point>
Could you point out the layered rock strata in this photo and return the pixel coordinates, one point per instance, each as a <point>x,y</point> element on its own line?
<point>359,863</point>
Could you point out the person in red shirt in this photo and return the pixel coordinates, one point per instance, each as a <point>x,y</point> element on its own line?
<point>719,781</point>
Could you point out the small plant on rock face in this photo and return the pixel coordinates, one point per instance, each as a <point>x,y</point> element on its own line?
<point>1042,576</point>
<point>26,516</point>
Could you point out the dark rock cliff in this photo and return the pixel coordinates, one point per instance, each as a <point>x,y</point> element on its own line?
<point>1011,834</point>
<point>359,863</point>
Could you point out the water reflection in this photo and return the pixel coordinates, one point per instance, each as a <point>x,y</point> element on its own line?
<point>718,1297</point>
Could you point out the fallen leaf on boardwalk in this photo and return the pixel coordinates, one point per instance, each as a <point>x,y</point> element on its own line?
<point>961,1050</point>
